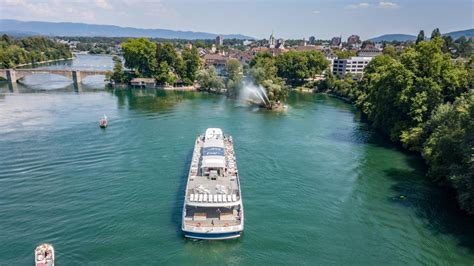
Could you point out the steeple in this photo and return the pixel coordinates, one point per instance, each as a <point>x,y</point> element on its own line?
<point>271,41</point>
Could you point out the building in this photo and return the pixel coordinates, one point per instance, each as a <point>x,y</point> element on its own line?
<point>353,39</point>
<point>280,44</point>
<point>301,48</point>
<point>219,40</point>
<point>189,45</point>
<point>218,61</point>
<point>353,65</point>
<point>312,40</point>
<point>372,52</point>
<point>247,42</point>
<point>271,41</point>
<point>336,41</point>
<point>143,82</point>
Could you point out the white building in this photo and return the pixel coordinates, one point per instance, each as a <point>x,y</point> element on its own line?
<point>271,41</point>
<point>353,65</point>
<point>219,40</point>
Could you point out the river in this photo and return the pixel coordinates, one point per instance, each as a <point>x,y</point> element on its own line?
<point>320,187</point>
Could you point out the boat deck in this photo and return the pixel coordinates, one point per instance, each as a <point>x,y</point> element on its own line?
<point>202,189</point>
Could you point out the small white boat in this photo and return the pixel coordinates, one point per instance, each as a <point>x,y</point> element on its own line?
<point>103,122</point>
<point>44,255</point>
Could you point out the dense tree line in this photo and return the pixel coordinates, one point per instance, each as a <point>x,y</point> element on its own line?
<point>292,68</point>
<point>160,61</point>
<point>230,83</point>
<point>28,50</point>
<point>424,100</point>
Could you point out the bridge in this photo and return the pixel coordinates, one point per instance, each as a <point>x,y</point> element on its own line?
<point>14,75</point>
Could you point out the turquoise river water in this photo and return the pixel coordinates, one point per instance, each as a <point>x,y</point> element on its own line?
<point>320,187</point>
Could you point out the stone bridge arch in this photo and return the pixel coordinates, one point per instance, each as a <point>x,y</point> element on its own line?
<point>13,75</point>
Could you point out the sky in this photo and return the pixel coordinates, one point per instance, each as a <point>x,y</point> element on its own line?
<point>258,18</point>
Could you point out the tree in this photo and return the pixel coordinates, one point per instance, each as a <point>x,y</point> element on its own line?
<point>449,147</point>
<point>328,82</point>
<point>435,34</point>
<point>139,54</point>
<point>420,37</point>
<point>165,53</point>
<point>390,51</point>
<point>464,48</point>
<point>264,72</point>
<point>425,101</point>
<point>192,62</point>
<point>296,66</point>
<point>209,80</point>
<point>234,76</point>
<point>164,75</point>
<point>118,75</point>
<point>344,54</point>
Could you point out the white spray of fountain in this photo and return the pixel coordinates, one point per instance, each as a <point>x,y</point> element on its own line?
<point>254,94</point>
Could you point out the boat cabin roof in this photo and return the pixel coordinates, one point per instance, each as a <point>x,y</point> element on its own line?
<point>214,133</point>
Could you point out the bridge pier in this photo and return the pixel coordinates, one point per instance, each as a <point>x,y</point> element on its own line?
<point>76,77</point>
<point>11,76</point>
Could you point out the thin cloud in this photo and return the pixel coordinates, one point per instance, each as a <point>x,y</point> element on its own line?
<point>358,6</point>
<point>316,12</point>
<point>388,5</point>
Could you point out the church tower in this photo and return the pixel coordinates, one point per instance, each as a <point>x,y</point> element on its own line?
<point>272,41</point>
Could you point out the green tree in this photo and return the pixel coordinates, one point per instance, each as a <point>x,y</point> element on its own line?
<point>425,101</point>
<point>164,74</point>
<point>234,76</point>
<point>296,66</point>
<point>449,147</point>
<point>165,53</point>
<point>139,55</point>
<point>327,83</point>
<point>209,80</point>
<point>420,37</point>
<point>264,72</point>
<point>344,54</point>
<point>192,63</point>
<point>118,75</point>
<point>435,34</point>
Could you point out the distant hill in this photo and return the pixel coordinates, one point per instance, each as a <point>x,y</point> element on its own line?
<point>82,29</point>
<point>456,34</point>
<point>394,37</point>
<point>406,37</point>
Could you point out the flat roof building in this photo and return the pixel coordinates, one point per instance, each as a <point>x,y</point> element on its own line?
<point>353,65</point>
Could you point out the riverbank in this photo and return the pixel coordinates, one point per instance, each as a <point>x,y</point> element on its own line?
<point>44,62</point>
<point>166,88</point>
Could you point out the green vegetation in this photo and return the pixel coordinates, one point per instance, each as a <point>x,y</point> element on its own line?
<point>160,61</point>
<point>420,37</point>
<point>118,74</point>
<point>291,68</point>
<point>14,52</point>
<point>425,101</point>
<point>234,77</point>
<point>209,80</point>
<point>344,54</point>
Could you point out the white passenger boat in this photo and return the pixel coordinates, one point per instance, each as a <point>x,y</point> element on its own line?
<point>44,255</point>
<point>213,206</point>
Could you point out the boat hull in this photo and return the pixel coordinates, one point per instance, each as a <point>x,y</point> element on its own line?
<point>210,236</point>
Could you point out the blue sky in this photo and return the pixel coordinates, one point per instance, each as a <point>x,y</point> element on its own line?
<point>257,18</point>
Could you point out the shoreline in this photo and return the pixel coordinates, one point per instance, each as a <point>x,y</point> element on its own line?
<point>45,62</point>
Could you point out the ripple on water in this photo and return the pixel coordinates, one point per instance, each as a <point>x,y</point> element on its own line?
<point>319,187</point>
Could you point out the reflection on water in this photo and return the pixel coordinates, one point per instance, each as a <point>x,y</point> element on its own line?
<point>43,81</point>
<point>320,187</point>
